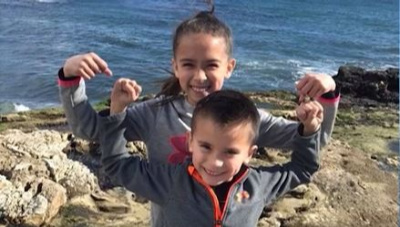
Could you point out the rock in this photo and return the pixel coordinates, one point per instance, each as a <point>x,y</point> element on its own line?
<point>37,177</point>
<point>378,85</point>
<point>56,196</point>
<point>75,177</point>
<point>38,144</point>
<point>13,118</point>
<point>35,213</point>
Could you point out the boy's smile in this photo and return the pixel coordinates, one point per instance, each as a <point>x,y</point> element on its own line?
<point>219,151</point>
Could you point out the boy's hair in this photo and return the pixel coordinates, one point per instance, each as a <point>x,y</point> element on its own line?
<point>203,22</point>
<point>228,107</point>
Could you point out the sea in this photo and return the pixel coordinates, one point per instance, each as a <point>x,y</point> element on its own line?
<point>275,42</point>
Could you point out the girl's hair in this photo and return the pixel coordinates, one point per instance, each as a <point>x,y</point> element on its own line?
<point>203,22</point>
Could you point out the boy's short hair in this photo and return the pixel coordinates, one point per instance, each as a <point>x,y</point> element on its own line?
<point>228,107</point>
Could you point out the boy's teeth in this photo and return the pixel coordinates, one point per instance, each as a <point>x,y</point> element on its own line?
<point>211,172</point>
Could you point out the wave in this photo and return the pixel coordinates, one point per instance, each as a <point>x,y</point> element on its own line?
<point>20,107</point>
<point>11,107</point>
<point>15,106</point>
<point>294,66</point>
<point>50,1</point>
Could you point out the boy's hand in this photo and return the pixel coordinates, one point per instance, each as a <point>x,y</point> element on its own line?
<point>311,115</point>
<point>86,66</point>
<point>314,85</point>
<point>124,92</point>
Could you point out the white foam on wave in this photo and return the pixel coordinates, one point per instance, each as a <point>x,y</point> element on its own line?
<point>302,68</point>
<point>49,1</point>
<point>20,107</point>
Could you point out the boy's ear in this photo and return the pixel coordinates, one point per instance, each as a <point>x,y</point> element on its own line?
<point>189,141</point>
<point>231,67</point>
<point>174,67</point>
<point>252,150</point>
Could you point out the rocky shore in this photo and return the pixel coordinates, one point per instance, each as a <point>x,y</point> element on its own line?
<point>50,178</point>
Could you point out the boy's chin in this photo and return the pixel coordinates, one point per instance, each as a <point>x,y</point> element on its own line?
<point>214,184</point>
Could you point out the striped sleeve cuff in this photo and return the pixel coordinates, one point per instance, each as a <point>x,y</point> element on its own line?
<point>67,82</point>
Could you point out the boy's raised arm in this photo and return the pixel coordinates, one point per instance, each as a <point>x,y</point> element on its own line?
<point>152,181</point>
<point>279,179</point>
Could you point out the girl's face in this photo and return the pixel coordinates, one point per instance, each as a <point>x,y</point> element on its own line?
<point>201,64</point>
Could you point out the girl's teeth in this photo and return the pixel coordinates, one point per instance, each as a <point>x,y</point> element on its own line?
<point>199,89</point>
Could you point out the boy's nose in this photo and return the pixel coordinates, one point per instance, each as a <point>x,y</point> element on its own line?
<point>218,162</point>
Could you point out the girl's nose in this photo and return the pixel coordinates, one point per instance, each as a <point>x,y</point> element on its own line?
<point>201,74</point>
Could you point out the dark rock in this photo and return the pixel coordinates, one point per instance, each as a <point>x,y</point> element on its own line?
<point>377,85</point>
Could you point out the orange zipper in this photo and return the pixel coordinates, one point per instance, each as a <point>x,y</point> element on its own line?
<point>218,215</point>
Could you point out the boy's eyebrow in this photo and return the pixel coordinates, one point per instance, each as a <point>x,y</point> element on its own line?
<point>203,142</point>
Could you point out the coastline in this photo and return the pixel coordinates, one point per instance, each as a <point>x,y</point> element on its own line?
<point>40,161</point>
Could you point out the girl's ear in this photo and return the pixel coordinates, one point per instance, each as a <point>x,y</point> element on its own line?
<point>252,150</point>
<point>231,67</point>
<point>174,67</point>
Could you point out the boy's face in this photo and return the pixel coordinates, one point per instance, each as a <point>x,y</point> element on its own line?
<point>219,152</point>
<point>201,64</point>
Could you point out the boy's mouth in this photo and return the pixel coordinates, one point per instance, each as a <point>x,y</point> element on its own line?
<point>212,173</point>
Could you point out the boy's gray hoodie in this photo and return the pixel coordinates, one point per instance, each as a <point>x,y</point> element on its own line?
<point>185,199</point>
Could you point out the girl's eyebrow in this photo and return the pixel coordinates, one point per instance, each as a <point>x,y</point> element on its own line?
<point>186,60</point>
<point>192,60</point>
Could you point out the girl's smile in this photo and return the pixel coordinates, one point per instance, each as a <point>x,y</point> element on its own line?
<point>201,64</point>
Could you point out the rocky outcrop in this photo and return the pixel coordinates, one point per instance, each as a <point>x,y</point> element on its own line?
<point>37,177</point>
<point>377,85</point>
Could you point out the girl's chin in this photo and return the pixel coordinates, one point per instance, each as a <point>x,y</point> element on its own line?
<point>194,98</point>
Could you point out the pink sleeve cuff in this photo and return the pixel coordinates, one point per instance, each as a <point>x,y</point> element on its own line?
<point>69,83</point>
<point>325,100</point>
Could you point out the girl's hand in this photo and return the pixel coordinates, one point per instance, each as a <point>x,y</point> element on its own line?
<point>86,66</point>
<point>123,93</point>
<point>314,85</point>
<point>311,115</point>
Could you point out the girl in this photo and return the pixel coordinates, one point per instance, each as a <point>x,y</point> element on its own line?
<point>202,60</point>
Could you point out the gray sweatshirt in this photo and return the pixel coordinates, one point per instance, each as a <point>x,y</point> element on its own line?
<point>184,199</point>
<point>156,124</point>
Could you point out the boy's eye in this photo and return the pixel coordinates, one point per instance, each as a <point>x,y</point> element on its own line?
<point>205,147</point>
<point>231,152</point>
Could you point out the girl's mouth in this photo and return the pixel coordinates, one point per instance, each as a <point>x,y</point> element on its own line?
<point>201,89</point>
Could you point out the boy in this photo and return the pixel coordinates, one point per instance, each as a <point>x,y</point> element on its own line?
<point>214,187</point>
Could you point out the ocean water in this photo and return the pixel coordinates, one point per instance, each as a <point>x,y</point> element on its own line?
<point>275,42</point>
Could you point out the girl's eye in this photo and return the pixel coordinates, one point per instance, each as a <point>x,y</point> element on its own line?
<point>212,66</point>
<point>187,65</point>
